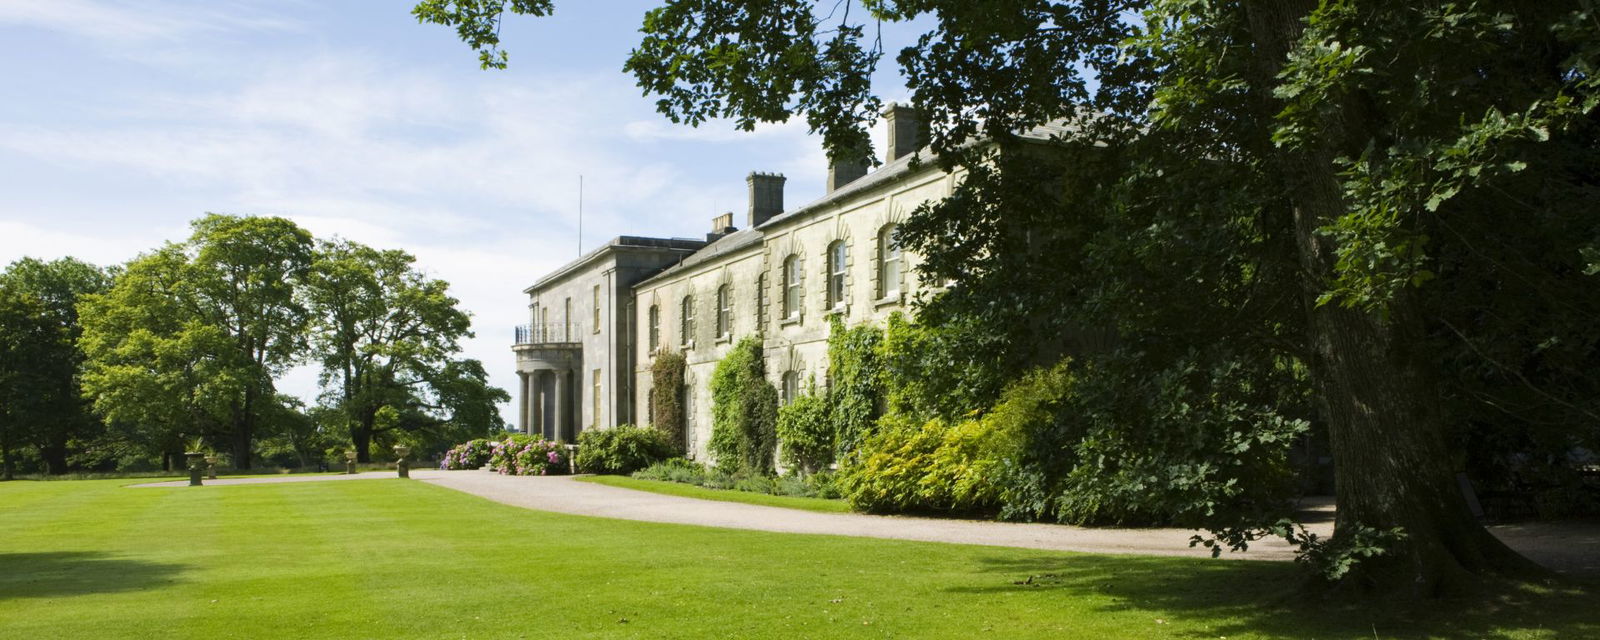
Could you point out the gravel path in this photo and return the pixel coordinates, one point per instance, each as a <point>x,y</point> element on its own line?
<point>1570,547</point>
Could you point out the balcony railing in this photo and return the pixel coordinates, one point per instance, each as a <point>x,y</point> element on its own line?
<point>548,332</point>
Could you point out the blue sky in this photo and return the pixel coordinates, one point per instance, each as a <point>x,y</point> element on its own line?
<point>123,120</point>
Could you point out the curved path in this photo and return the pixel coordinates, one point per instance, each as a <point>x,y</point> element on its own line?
<point>564,494</point>
<point>1570,547</point>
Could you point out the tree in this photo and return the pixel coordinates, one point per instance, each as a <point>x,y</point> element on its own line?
<point>150,365</point>
<point>1329,144</point>
<point>24,336</point>
<point>385,335</point>
<point>191,336</point>
<point>61,413</point>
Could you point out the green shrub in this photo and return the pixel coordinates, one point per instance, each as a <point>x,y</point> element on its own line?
<point>806,432</point>
<point>855,383</point>
<point>818,485</point>
<point>666,398</point>
<point>935,466</point>
<point>675,470</point>
<point>523,455</point>
<point>472,454</point>
<point>744,411</point>
<point>621,449</point>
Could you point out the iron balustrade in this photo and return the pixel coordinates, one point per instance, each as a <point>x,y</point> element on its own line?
<point>548,332</point>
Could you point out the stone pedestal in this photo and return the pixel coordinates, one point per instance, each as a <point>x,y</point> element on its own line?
<point>197,464</point>
<point>401,464</point>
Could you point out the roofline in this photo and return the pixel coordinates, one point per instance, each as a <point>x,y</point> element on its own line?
<point>676,270</point>
<point>619,244</point>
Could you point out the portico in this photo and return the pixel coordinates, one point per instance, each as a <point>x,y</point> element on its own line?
<point>546,370</point>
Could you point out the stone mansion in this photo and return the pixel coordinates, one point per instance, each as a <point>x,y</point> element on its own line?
<point>584,359</point>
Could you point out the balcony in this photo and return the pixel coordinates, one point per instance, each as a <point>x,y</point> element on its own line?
<point>548,347</point>
<point>548,333</point>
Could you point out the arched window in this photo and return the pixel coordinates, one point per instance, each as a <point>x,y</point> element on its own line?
<point>888,262</point>
<point>791,288</point>
<point>686,331</point>
<point>655,328</point>
<point>791,386</point>
<point>836,262</point>
<point>724,312</point>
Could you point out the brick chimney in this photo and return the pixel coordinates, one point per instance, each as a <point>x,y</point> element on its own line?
<point>843,172</point>
<point>907,131</point>
<point>766,196</point>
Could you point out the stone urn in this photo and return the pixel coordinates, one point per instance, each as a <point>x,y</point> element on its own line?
<point>349,462</point>
<point>197,465</point>
<point>211,467</point>
<point>401,464</point>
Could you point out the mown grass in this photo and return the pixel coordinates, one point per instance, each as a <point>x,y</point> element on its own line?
<point>405,559</point>
<point>724,495</point>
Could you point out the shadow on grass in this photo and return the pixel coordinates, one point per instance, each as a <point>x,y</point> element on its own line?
<point>1229,598</point>
<point>73,573</point>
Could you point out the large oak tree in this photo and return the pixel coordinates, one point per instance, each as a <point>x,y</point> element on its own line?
<point>387,337</point>
<point>1315,151</point>
<point>191,336</point>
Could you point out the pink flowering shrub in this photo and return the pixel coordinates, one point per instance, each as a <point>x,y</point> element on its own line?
<point>472,454</point>
<point>521,455</point>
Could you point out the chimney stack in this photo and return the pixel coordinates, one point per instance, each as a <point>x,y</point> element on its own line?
<point>720,226</point>
<point>907,131</point>
<point>766,196</point>
<point>843,172</point>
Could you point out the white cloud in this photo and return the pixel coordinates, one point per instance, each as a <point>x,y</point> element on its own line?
<point>477,177</point>
<point>123,22</point>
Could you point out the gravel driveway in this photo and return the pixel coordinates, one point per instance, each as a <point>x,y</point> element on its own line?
<point>1570,547</point>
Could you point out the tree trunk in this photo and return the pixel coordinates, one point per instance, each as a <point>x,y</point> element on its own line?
<point>5,460</point>
<point>244,425</point>
<point>1382,406</point>
<point>361,437</point>
<point>54,453</point>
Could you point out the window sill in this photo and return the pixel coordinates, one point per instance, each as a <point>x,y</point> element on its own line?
<point>724,339</point>
<point>894,297</point>
<point>789,321</point>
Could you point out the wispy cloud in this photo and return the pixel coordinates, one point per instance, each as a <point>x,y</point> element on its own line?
<point>125,22</point>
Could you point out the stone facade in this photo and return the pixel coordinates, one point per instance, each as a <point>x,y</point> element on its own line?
<point>782,281</point>
<point>575,356</point>
<point>780,278</point>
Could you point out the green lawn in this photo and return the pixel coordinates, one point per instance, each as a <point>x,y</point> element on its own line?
<point>404,559</point>
<point>748,497</point>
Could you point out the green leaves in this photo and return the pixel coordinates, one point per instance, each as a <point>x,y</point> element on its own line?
<point>386,336</point>
<point>189,337</point>
<point>477,22</point>
<point>744,411</point>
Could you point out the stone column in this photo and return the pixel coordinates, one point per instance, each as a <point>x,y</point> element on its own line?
<point>536,385</point>
<point>527,400</point>
<point>563,405</point>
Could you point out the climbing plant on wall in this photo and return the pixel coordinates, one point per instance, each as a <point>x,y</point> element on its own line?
<point>855,382</point>
<point>744,410</point>
<point>666,397</point>
<point>806,430</point>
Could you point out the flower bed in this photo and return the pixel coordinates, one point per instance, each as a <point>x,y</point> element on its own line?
<point>520,455</point>
<point>472,454</point>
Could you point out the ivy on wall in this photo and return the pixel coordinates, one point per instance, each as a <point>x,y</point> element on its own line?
<point>744,410</point>
<point>666,397</point>
<point>805,427</point>
<point>855,382</point>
